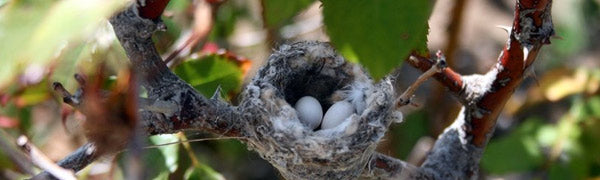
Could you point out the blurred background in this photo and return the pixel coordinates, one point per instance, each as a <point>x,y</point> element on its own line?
<point>549,129</point>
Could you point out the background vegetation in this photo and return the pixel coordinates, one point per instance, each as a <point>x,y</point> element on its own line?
<point>549,128</point>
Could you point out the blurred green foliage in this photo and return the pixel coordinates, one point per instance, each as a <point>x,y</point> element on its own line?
<point>276,12</point>
<point>408,133</point>
<point>208,73</point>
<point>518,152</point>
<point>50,40</point>
<point>567,150</point>
<point>34,32</point>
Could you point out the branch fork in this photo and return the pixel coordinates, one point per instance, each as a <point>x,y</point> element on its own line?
<point>268,124</point>
<point>438,67</point>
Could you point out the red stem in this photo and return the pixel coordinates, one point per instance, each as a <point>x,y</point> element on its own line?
<point>447,77</point>
<point>152,9</point>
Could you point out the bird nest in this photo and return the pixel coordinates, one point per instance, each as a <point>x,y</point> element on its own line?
<point>297,151</point>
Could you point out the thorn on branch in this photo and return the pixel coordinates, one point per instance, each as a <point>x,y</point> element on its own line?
<point>505,28</point>
<point>217,94</point>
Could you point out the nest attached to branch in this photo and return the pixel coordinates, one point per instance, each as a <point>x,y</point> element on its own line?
<point>297,151</point>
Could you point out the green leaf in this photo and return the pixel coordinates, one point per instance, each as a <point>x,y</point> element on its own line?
<point>154,163</point>
<point>170,152</point>
<point>207,73</point>
<point>226,19</point>
<point>594,106</point>
<point>34,94</point>
<point>381,33</point>
<point>35,32</point>
<point>574,168</point>
<point>231,151</point>
<point>202,172</point>
<point>162,176</point>
<point>517,152</point>
<point>178,5</point>
<point>277,12</point>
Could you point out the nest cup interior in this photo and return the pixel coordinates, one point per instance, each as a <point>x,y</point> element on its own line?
<point>307,69</point>
<point>311,82</point>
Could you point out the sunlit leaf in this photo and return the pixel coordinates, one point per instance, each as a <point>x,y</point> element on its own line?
<point>36,32</point>
<point>207,73</point>
<point>381,34</point>
<point>33,95</point>
<point>547,135</point>
<point>568,85</point>
<point>170,152</point>
<point>66,67</point>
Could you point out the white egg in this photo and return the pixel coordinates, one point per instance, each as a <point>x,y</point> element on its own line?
<point>336,114</point>
<point>309,111</point>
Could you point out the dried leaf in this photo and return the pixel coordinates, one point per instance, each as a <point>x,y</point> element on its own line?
<point>8,122</point>
<point>110,121</point>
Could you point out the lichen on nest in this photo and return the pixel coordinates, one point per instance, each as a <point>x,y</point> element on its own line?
<point>315,69</point>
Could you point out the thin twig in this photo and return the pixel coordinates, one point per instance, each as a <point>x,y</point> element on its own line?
<point>21,160</point>
<point>192,140</point>
<point>67,97</point>
<point>408,94</point>
<point>43,162</point>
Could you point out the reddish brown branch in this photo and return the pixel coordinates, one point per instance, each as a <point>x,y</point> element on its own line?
<point>152,9</point>
<point>447,76</point>
<point>532,28</point>
<point>458,150</point>
<point>407,95</point>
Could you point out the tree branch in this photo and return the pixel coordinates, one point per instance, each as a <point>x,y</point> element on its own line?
<point>271,125</point>
<point>438,67</point>
<point>193,111</point>
<point>448,77</point>
<point>7,145</point>
<point>43,162</point>
<point>458,150</point>
<point>172,104</point>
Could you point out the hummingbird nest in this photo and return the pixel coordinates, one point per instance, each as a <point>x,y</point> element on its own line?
<point>297,151</point>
